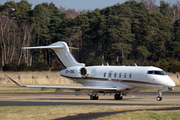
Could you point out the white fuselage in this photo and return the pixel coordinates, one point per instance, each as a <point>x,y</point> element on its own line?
<point>120,76</point>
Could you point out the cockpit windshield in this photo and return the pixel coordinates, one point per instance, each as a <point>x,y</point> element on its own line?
<point>156,72</point>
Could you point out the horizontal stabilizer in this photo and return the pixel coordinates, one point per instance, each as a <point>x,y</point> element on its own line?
<point>73,48</point>
<point>42,47</point>
<point>46,47</point>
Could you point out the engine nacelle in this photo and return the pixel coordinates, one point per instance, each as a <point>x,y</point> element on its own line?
<point>74,72</point>
<point>83,72</point>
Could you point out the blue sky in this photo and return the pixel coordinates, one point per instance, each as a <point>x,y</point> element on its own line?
<point>81,4</point>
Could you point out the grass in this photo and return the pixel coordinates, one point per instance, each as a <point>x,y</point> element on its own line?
<point>52,112</point>
<point>34,77</point>
<point>145,115</point>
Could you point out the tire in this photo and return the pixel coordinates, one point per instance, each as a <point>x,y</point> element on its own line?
<point>121,97</point>
<point>116,96</point>
<point>159,98</point>
<point>94,97</point>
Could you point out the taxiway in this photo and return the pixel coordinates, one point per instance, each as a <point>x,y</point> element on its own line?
<point>42,99</point>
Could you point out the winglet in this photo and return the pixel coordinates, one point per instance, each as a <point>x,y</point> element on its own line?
<point>18,84</point>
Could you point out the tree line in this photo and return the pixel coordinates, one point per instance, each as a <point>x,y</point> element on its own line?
<point>123,34</point>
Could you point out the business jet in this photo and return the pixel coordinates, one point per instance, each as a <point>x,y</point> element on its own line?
<point>119,80</point>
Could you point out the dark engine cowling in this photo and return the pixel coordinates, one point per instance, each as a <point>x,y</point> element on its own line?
<point>83,72</point>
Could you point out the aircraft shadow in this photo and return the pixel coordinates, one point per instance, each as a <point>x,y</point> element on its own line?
<point>84,99</point>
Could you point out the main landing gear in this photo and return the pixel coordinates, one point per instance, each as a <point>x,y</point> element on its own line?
<point>94,96</point>
<point>118,96</point>
<point>159,97</point>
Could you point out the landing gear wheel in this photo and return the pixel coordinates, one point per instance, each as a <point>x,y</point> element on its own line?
<point>118,97</point>
<point>159,98</point>
<point>121,97</point>
<point>94,97</point>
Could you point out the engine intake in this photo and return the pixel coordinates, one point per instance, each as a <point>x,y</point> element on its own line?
<point>83,72</point>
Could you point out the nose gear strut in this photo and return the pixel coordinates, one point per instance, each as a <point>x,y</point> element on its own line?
<point>159,97</point>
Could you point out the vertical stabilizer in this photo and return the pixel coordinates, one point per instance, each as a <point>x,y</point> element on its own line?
<point>65,57</point>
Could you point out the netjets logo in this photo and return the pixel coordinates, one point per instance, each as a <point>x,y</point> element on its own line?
<point>69,71</point>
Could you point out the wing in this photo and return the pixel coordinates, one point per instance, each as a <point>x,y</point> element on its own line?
<point>76,88</point>
<point>80,89</point>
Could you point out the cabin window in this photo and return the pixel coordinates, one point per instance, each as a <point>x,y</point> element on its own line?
<point>150,72</point>
<point>114,75</point>
<point>119,75</point>
<point>104,74</point>
<point>109,74</point>
<point>130,75</point>
<point>125,75</point>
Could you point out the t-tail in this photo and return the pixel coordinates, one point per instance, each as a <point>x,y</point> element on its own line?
<point>64,56</point>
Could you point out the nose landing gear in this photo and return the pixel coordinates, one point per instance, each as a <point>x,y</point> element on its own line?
<point>159,97</point>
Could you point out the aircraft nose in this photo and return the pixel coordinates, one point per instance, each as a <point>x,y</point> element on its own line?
<point>171,83</point>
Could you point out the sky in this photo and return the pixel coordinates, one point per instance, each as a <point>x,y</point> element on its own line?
<point>81,4</point>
